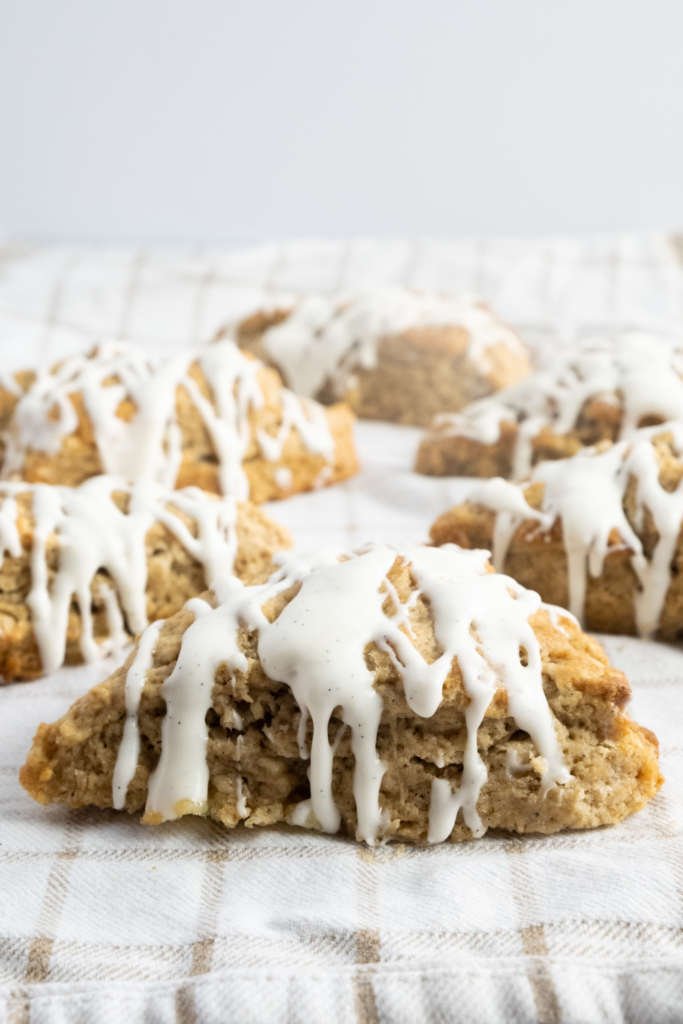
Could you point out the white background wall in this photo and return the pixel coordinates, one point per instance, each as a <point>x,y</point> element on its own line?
<point>217,120</point>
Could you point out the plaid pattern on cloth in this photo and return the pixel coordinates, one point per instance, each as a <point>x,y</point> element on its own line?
<point>102,920</point>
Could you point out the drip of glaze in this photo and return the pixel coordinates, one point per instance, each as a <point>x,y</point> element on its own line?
<point>586,493</point>
<point>328,338</point>
<point>93,534</point>
<point>341,606</point>
<point>511,507</point>
<point>641,375</point>
<point>480,621</point>
<point>241,804</point>
<point>316,646</point>
<point>148,445</point>
<point>308,418</point>
<point>118,639</point>
<point>129,747</point>
<point>8,383</point>
<point>179,783</point>
<point>283,478</point>
<point>236,390</point>
<point>45,415</point>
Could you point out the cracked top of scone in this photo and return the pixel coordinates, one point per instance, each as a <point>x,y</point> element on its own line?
<point>213,417</point>
<point>411,694</point>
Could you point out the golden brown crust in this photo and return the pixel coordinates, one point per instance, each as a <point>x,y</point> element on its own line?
<point>173,576</point>
<point>78,458</point>
<point>613,760</point>
<point>419,372</point>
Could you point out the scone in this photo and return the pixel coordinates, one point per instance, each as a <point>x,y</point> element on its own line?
<point>85,568</point>
<point>392,353</point>
<point>214,418</point>
<point>599,533</point>
<point>414,695</point>
<point>603,393</point>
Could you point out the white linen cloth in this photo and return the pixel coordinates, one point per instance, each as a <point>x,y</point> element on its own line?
<point>102,920</point>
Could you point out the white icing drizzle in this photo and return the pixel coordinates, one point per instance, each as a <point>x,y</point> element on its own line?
<point>333,601</point>
<point>118,638</point>
<point>8,383</point>
<point>283,477</point>
<point>559,617</point>
<point>586,494</point>
<point>241,805</point>
<point>317,645</point>
<point>93,534</point>
<point>327,338</point>
<point>148,446</point>
<point>180,781</point>
<point>641,374</point>
<point>129,748</point>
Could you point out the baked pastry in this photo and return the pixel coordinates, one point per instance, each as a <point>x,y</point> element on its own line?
<point>411,695</point>
<point>85,568</point>
<point>215,419</point>
<point>392,353</point>
<point>600,533</point>
<point>603,393</point>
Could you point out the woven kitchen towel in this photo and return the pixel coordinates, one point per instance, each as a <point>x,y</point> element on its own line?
<point>102,920</point>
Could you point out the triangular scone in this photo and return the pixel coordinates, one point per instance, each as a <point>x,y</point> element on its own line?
<point>84,568</point>
<point>412,696</point>
<point>392,353</point>
<point>603,393</point>
<point>213,418</point>
<point>600,533</point>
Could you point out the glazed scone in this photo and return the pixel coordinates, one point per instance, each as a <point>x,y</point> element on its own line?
<point>603,393</point>
<point>85,568</point>
<point>214,418</point>
<point>391,353</point>
<point>415,696</point>
<point>599,533</point>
